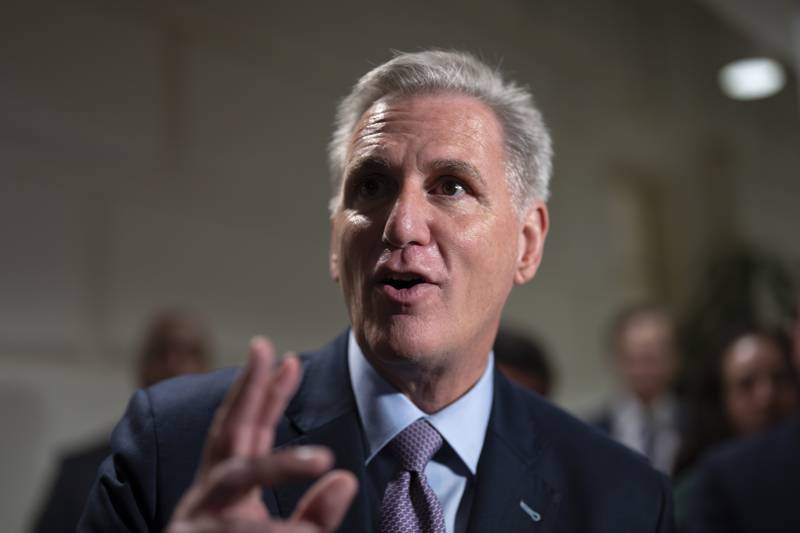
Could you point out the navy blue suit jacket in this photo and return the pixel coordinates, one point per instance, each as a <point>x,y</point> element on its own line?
<point>751,486</point>
<point>574,478</point>
<point>77,470</point>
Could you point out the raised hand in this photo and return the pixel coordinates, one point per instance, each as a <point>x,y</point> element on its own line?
<point>238,461</point>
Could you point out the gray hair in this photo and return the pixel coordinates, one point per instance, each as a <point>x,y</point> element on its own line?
<point>527,142</point>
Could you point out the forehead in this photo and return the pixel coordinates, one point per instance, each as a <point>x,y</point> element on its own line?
<point>646,329</point>
<point>751,352</point>
<point>434,125</point>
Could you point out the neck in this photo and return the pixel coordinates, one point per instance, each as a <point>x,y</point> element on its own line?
<point>432,387</point>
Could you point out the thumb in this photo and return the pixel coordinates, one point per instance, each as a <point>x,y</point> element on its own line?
<point>327,501</point>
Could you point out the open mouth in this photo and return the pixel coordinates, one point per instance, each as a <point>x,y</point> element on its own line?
<point>406,287</point>
<point>400,284</point>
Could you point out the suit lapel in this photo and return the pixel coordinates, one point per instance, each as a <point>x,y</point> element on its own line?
<point>512,492</point>
<point>338,435</point>
<point>323,412</point>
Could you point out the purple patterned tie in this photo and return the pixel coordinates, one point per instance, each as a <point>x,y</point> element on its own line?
<point>409,504</point>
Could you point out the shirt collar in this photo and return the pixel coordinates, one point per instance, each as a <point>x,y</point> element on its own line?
<point>385,411</point>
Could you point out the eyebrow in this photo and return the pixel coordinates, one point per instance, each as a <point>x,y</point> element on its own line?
<point>367,164</point>
<point>458,167</point>
<point>374,163</point>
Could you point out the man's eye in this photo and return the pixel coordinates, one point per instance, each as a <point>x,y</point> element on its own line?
<point>451,187</point>
<point>370,187</point>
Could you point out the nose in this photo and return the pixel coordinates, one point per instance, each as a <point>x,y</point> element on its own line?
<point>408,220</point>
<point>765,393</point>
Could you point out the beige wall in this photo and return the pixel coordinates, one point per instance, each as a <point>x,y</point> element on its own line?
<point>155,155</point>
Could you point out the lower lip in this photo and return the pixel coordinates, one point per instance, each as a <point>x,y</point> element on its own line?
<point>411,295</point>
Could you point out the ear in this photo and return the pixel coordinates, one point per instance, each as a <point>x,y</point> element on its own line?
<point>333,257</point>
<point>531,241</point>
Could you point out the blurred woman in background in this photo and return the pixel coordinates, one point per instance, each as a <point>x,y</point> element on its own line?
<point>759,385</point>
<point>749,387</point>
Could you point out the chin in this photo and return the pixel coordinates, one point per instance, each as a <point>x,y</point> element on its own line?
<point>404,338</point>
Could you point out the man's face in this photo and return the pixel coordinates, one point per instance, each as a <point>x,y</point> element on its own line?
<point>647,358</point>
<point>426,243</point>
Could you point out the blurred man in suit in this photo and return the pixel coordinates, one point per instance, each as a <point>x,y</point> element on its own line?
<point>175,343</point>
<point>441,173</point>
<point>645,416</point>
<point>750,486</point>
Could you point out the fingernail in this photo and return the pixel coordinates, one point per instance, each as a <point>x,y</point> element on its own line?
<point>310,453</point>
<point>258,340</point>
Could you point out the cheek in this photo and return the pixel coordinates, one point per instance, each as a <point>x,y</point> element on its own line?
<point>492,247</point>
<point>735,407</point>
<point>742,401</point>
<point>356,253</point>
<point>485,257</point>
<point>350,267</point>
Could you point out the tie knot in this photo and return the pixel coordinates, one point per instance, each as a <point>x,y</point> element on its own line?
<point>415,445</point>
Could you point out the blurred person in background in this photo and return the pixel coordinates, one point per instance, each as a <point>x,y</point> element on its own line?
<point>752,485</point>
<point>756,388</point>
<point>523,360</point>
<point>749,386</point>
<point>175,343</point>
<point>646,416</point>
<point>794,332</point>
<point>758,380</point>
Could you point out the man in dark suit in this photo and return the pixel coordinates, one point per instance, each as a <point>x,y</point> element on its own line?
<point>645,415</point>
<point>751,485</point>
<point>66,498</point>
<point>441,173</point>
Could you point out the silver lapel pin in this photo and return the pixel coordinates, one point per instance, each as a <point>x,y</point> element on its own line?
<point>530,512</point>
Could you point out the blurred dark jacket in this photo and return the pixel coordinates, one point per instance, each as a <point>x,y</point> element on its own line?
<point>62,508</point>
<point>751,485</point>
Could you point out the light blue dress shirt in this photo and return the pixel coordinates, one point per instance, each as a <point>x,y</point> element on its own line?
<point>385,412</point>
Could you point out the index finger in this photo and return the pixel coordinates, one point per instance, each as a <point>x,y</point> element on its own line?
<point>282,386</point>
<point>234,423</point>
